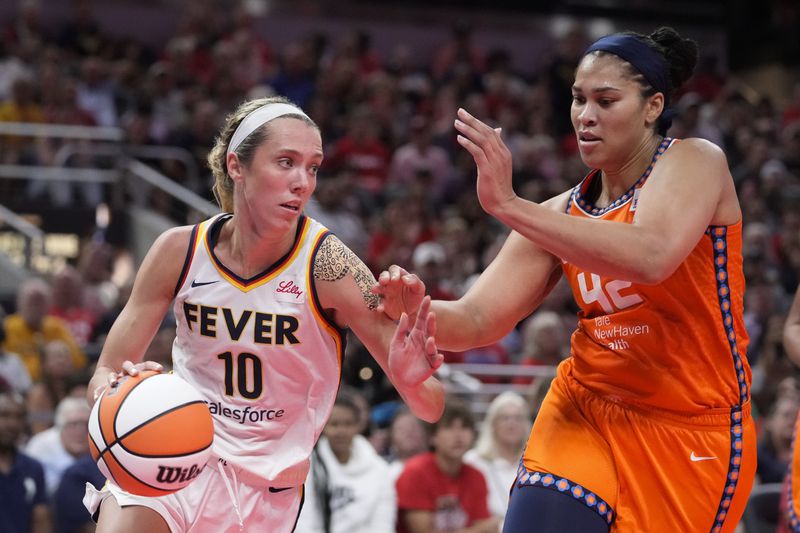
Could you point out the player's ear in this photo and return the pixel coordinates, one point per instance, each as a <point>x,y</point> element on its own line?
<point>654,105</point>
<point>235,167</point>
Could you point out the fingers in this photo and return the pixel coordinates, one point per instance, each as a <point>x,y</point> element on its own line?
<point>401,331</point>
<point>430,325</point>
<point>472,127</point>
<point>151,365</point>
<point>475,130</point>
<point>129,368</point>
<point>435,359</point>
<point>132,369</point>
<point>422,315</point>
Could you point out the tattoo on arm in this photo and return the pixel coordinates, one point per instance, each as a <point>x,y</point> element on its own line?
<point>335,260</point>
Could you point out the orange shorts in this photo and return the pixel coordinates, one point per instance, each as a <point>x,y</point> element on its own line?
<point>644,470</point>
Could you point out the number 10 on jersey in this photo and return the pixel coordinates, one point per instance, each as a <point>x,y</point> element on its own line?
<point>249,380</point>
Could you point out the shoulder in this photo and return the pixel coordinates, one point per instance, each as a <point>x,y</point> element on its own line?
<point>472,473</point>
<point>418,464</point>
<point>174,240</point>
<point>472,457</point>
<point>694,150</point>
<point>42,443</point>
<point>334,261</point>
<point>53,324</point>
<point>14,322</point>
<point>28,464</point>
<point>559,202</point>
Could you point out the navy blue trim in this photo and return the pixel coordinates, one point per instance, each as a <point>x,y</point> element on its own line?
<point>302,503</point>
<point>314,295</point>
<point>734,467</point>
<point>316,303</point>
<point>719,243</point>
<point>211,239</point>
<point>565,486</point>
<point>794,520</point>
<point>597,211</point>
<point>187,261</point>
<point>575,190</point>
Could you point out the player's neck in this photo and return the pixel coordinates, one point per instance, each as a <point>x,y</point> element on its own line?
<point>248,251</point>
<point>617,180</point>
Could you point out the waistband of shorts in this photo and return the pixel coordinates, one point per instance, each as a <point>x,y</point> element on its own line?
<point>714,417</point>
<point>292,477</point>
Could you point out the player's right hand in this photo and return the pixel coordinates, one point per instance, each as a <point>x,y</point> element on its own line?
<point>129,368</point>
<point>400,292</point>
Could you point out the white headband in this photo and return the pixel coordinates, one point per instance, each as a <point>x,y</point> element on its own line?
<point>258,118</point>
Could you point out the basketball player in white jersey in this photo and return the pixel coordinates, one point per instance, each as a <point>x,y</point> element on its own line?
<point>262,295</point>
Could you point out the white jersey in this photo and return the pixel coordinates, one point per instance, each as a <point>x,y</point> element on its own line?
<point>260,351</point>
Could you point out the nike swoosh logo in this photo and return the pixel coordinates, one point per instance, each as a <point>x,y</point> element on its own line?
<point>275,489</point>
<point>696,458</point>
<point>196,283</point>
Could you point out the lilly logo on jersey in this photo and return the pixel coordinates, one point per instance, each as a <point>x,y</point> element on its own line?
<point>288,287</point>
<point>176,474</point>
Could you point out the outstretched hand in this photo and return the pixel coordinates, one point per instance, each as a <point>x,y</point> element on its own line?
<point>413,356</point>
<point>400,292</point>
<point>492,158</point>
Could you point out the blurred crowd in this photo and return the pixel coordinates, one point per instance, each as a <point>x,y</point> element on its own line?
<point>395,186</point>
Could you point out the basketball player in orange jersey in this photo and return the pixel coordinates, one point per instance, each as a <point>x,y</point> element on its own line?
<point>647,426</point>
<point>791,343</point>
<point>262,295</point>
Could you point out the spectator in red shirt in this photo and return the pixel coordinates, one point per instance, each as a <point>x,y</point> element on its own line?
<point>69,304</point>
<point>437,491</point>
<point>363,151</point>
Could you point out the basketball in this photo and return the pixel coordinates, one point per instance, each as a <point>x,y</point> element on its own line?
<point>151,434</point>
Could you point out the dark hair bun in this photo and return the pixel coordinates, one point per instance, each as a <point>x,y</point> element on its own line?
<point>680,54</point>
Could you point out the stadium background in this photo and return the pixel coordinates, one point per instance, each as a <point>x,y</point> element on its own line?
<point>131,94</point>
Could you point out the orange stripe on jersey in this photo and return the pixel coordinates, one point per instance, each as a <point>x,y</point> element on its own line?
<point>335,331</point>
<point>679,345</point>
<point>268,275</point>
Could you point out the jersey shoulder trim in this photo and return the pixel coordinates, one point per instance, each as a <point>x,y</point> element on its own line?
<point>187,262</point>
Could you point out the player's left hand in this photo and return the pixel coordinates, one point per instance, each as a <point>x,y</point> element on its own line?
<point>413,356</point>
<point>492,158</point>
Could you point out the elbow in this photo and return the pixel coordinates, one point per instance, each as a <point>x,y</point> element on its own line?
<point>791,343</point>
<point>654,276</point>
<point>657,265</point>
<point>651,274</point>
<point>429,411</point>
<point>431,417</point>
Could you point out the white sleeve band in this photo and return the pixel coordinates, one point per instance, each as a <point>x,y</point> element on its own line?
<point>259,117</point>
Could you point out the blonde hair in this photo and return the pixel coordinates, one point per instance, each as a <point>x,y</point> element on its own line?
<point>218,156</point>
<point>486,446</point>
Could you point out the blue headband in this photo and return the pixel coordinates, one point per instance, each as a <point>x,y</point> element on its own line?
<point>639,54</point>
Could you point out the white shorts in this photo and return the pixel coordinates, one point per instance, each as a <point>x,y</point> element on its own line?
<point>210,505</point>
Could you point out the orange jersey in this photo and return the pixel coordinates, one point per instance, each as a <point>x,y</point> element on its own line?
<point>679,345</point>
<point>792,496</point>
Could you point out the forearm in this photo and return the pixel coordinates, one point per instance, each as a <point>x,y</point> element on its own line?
<point>791,341</point>
<point>599,246</point>
<point>458,326</point>
<point>425,400</point>
<point>98,382</point>
<point>791,330</point>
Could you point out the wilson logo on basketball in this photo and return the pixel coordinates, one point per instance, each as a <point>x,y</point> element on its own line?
<point>172,474</point>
